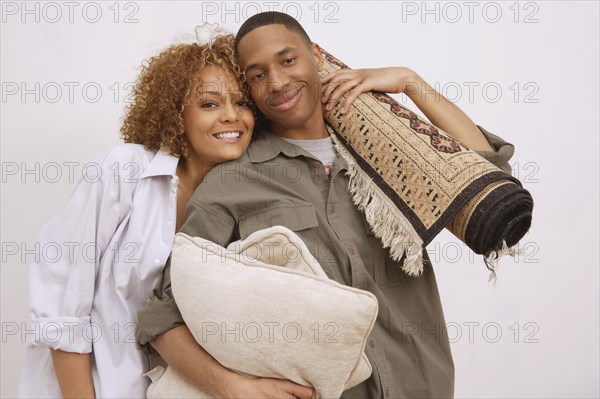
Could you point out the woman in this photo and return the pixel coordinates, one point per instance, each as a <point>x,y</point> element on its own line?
<point>110,243</point>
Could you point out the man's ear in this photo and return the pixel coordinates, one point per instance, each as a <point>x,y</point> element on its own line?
<point>316,50</point>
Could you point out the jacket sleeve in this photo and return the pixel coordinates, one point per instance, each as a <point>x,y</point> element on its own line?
<point>161,314</point>
<point>502,153</point>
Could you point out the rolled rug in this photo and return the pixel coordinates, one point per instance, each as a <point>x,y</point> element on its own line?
<point>412,179</point>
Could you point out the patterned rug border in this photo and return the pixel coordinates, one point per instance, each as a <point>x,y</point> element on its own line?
<point>453,208</point>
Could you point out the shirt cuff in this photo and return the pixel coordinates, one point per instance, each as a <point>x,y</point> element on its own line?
<point>155,318</point>
<point>68,334</point>
<point>503,151</point>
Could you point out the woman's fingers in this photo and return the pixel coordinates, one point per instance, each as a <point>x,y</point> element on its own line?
<point>339,74</point>
<point>352,95</point>
<point>347,87</point>
<point>336,78</point>
<point>263,388</point>
<point>327,92</point>
<point>300,391</point>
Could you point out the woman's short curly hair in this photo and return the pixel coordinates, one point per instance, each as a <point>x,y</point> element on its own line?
<point>163,87</point>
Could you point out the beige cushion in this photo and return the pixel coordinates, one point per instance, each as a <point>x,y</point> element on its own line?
<point>264,307</point>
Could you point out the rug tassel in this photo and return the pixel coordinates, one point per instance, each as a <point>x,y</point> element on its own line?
<point>386,221</point>
<point>492,259</point>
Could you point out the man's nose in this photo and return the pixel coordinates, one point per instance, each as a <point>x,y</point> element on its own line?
<point>278,80</point>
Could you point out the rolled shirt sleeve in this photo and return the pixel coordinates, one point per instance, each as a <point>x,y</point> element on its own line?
<point>161,314</point>
<point>62,279</point>
<point>502,153</point>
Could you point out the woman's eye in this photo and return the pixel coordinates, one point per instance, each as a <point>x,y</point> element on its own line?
<point>258,76</point>
<point>243,103</point>
<point>209,105</point>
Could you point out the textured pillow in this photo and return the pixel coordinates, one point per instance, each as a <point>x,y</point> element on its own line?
<point>264,307</point>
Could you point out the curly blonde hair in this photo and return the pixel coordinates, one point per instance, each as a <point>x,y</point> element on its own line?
<point>163,87</point>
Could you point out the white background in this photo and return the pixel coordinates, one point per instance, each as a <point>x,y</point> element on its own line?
<point>534,333</point>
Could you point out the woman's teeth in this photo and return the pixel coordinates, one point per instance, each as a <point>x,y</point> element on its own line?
<point>228,135</point>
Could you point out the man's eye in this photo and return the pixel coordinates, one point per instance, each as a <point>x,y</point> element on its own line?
<point>289,60</point>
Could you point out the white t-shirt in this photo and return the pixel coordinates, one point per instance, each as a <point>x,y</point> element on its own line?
<point>322,149</point>
<point>123,209</point>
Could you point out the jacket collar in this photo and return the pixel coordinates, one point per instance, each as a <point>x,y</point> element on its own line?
<point>267,145</point>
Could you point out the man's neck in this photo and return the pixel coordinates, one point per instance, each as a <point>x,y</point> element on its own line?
<point>312,130</point>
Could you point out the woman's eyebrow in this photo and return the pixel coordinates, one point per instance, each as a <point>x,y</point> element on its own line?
<point>200,95</point>
<point>210,93</point>
<point>213,93</point>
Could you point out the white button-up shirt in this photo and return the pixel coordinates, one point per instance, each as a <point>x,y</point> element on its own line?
<point>100,259</point>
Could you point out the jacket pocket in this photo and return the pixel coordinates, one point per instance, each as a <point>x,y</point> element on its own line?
<point>295,217</point>
<point>385,271</point>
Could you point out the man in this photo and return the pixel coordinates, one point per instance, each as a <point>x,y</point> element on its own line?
<point>408,347</point>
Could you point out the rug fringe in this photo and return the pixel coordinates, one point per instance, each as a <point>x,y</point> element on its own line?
<point>386,221</point>
<point>492,259</point>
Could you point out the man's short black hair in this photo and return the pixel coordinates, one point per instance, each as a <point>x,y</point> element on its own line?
<point>270,18</point>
